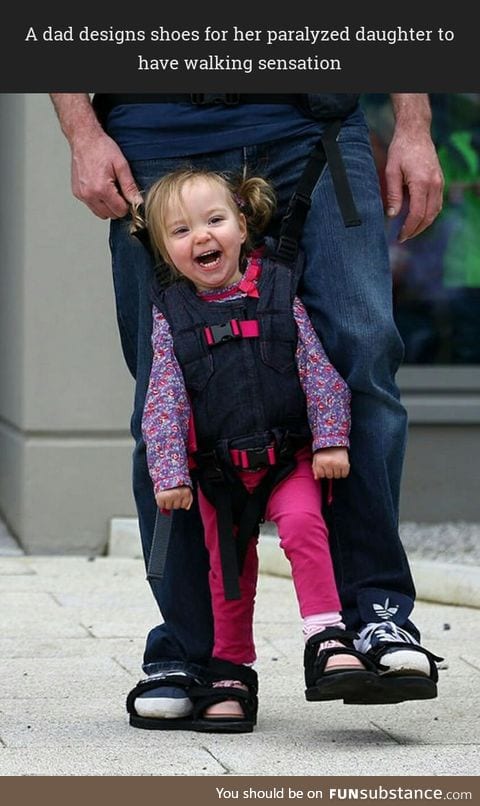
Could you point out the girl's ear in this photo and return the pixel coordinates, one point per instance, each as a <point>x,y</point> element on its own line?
<point>242,223</point>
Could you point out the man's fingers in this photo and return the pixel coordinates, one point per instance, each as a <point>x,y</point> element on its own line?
<point>414,222</point>
<point>126,184</point>
<point>394,195</point>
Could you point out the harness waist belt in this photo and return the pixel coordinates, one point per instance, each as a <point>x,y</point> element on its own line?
<point>254,458</point>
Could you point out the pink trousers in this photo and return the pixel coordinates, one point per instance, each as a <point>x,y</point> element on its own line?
<point>295,508</point>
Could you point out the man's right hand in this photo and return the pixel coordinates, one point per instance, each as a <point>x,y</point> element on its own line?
<point>101,176</point>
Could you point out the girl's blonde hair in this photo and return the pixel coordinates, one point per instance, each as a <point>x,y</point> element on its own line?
<point>252,196</point>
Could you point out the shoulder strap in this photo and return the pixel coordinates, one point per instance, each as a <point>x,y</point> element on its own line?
<point>326,150</point>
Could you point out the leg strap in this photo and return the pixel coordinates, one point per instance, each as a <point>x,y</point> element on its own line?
<point>239,514</point>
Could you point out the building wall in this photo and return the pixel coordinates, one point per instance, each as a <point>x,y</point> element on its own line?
<point>65,394</point>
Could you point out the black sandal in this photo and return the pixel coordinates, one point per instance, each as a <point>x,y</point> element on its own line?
<point>337,684</point>
<point>392,687</point>
<point>160,680</point>
<point>204,696</point>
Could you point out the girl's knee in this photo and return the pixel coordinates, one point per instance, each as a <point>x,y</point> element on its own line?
<point>302,525</point>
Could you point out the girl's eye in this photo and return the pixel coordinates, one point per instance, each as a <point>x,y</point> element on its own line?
<point>179,231</point>
<point>215,219</point>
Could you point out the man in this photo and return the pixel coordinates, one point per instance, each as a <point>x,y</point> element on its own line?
<point>120,145</point>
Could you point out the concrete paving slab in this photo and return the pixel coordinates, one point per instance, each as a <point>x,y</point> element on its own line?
<point>258,756</point>
<point>32,615</point>
<point>112,761</point>
<point>135,591</point>
<point>471,660</point>
<point>86,646</point>
<point>121,627</point>
<point>12,566</point>
<point>83,566</point>
<point>63,678</point>
<point>444,720</point>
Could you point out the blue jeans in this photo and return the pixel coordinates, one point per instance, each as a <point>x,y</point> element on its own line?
<point>346,288</point>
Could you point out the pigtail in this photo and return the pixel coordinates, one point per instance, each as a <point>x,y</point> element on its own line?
<point>256,199</point>
<point>137,215</point>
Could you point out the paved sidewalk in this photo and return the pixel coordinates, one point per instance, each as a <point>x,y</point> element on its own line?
<point>71,640</point>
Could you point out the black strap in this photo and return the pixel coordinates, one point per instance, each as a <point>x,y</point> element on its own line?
<point>159,549</point>
<point>345,199</point>
<point>228,550</point>
<point>256,503</point>
<point>325,151</point>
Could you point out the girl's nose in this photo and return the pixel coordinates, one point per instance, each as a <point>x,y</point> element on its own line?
<point>202,235</point>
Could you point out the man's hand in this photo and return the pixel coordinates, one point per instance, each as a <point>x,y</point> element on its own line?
<point>330,463</point>
<point>101,176</point>
<point>176,498</point>
<point>412,164</point>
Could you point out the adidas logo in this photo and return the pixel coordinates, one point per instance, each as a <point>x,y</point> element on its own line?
<point>384,611</point>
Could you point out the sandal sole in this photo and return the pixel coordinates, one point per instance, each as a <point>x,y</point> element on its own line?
<point>341,685</point>
<point>219,726</point>
<point>392,690</point>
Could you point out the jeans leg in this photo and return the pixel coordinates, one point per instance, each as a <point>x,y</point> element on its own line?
<point>346,288</point>
<point>182,596</point>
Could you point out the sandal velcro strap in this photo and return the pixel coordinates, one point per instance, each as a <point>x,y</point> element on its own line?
<point>204,697</point>
<point>219,669</point>
<point>346,637</point>
<point>159,680</point>
<point>315,661</point>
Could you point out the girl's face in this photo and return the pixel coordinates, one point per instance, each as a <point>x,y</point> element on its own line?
<point>204,235</point>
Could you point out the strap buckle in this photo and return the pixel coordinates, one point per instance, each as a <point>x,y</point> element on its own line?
<point>254,458</point>
<point>287,248</point>
<point>217,334</point>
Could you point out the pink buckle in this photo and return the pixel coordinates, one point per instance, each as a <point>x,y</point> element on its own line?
<point>253,458</point>
<point>234,329</point>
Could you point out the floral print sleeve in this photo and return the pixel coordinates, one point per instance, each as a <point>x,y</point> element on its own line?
<point>166,413</point>
<point>328,396</point>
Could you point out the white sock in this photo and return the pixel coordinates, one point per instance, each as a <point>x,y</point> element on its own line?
<point>319,621</point>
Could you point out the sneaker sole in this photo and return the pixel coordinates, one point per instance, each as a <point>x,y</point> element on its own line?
<point>151,723</point>
<point>161,709</point>
<point>392,690</point>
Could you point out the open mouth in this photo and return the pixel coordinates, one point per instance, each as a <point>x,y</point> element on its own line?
<point>209,259</point>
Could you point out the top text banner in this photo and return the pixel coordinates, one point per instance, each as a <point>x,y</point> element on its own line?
<point>310,53</point>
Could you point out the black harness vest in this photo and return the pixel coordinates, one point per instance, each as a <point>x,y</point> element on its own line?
<point>248,407</point>
<point>240,387</point>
